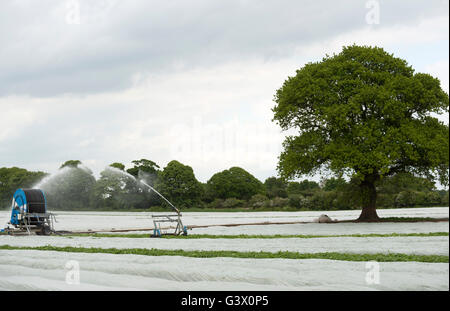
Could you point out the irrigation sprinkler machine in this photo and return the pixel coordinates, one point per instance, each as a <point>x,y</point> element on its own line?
<point>167,218</point>
<point>29,214</point>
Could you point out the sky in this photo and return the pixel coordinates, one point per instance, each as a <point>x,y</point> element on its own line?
<point>115,81</point>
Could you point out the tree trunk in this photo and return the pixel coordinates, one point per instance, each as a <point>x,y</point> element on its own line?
<point>369,200</point>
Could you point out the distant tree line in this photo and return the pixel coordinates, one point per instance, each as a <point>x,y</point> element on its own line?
<point>13,178</point>
<point>74,187</point>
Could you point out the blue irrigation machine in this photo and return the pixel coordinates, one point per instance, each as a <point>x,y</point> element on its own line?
<point>29,213</point>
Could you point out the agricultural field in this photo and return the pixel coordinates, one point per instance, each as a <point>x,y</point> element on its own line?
<point>312,256</point>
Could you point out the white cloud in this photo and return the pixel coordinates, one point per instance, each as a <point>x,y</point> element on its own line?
<point>439,69</point>
<point>44,55</point>
<point>391,37</point>
<point>15,118</point>
<point>210,114</point>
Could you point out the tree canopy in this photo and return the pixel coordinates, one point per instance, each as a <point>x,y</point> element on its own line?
<point>305,186</point>
<point>71,163</point>
<point>117,190</point>
<point>14,178</point>
<point>143,166</point>
<point>118,165</point>
<point>333,183</point>
<point>275,187</point>
<point>178,184</point>
<point>70,188</point>
<point>234,183</point>
<point>364,113</point>
<point>77,189</point>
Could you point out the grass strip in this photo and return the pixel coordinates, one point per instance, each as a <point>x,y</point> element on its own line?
<point>256,236</point>
<point>412,219</point>
<point>390,257</point>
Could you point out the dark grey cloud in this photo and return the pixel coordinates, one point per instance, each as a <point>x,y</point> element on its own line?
<point>137,70</point>
<point>43,55</point>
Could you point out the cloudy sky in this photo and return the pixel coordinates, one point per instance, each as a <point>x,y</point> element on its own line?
<point>114,81</point>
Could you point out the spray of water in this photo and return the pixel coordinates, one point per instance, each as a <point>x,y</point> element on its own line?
<point>141,181</point>
<point>120,172</point>
<point>67,189</point>
<point>48,179</point>
<point>145,184</point>
<point>52,181</point>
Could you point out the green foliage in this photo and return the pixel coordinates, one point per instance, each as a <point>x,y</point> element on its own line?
<point>405,181</point>
<point>70,189</point>
<point>443,195</point>
<point>233,203</point>
<point>380,257</point>
<point>145,166</point>
<point>259,236</point>
<point>118,165</point>
<point>14,178</point>
<point>364,113</point>
<point>178,184</point>
<point>234,183</point>
<point>412,219</point>
<point>148,171</point>
<point>75,188</point>
<point>276,187</point>
<point>71,163</point>
<point>298,201</point>
<point>305,187</point>
<point>257,200</point>
<point>216,204</point>
<point>117,191</point>
<point>334,184</point>
<point>277,202</point>
<point>230,203</point>
<point>405,189</point>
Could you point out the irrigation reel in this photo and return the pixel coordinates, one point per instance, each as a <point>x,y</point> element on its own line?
<point>29,214</point>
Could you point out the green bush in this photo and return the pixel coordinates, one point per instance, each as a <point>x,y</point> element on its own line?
<point>216,203</point>
<point>257,201</point>
<point>433,198</point>
<point>233,203</point>
<point>444,197</point>
<point>296,200</point>
<point>385,200</point>
<point>277,202</point>
<point>234,183</point>
<point>405,198</point>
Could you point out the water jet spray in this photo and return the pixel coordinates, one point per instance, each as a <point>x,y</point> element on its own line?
<point>167,201</point>
<point>158,219</point>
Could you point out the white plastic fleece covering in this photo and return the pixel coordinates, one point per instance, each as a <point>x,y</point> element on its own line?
<point>120,220</point>
<point>46,270</point>
<point>407,245</point>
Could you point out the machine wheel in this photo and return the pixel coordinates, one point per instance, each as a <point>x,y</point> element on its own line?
<point>44,230</point>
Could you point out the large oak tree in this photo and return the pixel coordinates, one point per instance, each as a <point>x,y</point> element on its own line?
<point>364,113</point>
